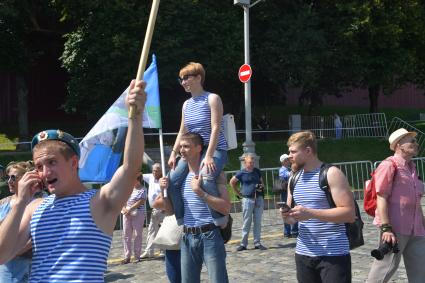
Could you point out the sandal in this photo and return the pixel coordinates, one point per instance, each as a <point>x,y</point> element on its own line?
<point>125,261</point>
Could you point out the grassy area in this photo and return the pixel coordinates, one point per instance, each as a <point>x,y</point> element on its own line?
<point>6,142</point>
<point>330,150</point>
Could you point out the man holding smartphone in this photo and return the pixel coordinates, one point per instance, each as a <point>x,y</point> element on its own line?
<point>322,253</point>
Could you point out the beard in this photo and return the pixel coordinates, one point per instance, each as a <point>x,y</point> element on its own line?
<point>296,167</point>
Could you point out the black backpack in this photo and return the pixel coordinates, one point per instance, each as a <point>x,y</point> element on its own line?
<point>354,230</point>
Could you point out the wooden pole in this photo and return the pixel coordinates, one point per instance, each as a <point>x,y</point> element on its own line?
<point>145,49</point>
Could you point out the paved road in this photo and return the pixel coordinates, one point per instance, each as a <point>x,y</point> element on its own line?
<point>273,265</point>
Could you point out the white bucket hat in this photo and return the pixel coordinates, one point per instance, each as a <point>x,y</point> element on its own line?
<point>397,135</point>
<point>283,157</point>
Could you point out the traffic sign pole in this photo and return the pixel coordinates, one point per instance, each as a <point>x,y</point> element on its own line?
<point>248,145</point>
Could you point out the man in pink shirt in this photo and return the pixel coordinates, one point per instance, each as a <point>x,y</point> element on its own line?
<point>399,213</point>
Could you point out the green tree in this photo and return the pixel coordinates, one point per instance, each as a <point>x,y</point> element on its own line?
<point>381,41</point>
<point>25,27</point>
<point>102,53</point>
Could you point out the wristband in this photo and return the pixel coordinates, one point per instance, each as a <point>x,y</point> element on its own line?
<point>386,228</point>
<point>174,151</point>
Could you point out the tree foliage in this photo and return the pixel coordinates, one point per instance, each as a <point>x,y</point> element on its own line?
<point>321,47</point>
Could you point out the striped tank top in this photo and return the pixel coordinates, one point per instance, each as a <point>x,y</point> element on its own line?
<point>196,212</point>
<point>316,237</point>
<point>67,245</point>
<point>197,119</point>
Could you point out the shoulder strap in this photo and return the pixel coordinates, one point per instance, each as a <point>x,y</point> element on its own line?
<point>323,183</point>
<point>293,181</point>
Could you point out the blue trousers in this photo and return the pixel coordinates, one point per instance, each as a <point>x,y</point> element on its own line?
<point>172,266</point>
<point>207,248</point>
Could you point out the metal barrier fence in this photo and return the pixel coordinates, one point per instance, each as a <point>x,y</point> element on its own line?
<point>359,125</point>
<point>357,173</point>
<point>397,123</point>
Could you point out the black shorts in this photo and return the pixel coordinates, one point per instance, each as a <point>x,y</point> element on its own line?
<point>323,269</point>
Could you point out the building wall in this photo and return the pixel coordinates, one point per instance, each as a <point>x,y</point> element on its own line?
<point>407,97</point>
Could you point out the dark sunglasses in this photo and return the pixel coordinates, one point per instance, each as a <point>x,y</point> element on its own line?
<point>185,78</point>
<point>11,178</point>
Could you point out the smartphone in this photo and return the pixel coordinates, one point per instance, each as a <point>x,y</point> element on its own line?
<point>283,205</point>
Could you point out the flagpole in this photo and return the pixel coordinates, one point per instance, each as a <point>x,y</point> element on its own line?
<point>161,150</point>
<point>145,49</point>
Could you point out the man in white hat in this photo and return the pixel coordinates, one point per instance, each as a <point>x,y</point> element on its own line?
<point>399,213</point>
<point>289,231</point>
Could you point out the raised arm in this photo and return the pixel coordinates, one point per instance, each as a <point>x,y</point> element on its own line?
<point>107,204</point>
<point>216,107</point>
<point>342,196</point>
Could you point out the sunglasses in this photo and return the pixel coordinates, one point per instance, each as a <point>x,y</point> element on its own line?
<point>185,78</point>
<point>11,178</point>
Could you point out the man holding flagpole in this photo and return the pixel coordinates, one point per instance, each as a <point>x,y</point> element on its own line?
<point>71,230</point>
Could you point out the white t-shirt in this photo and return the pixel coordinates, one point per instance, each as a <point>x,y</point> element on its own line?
<point>154,188</point>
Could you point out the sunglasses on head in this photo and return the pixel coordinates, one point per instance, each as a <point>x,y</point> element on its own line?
<point>185,78</point>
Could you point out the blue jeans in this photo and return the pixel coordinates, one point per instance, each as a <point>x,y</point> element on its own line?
<point>16,270</point>
<point>252,207</point>
<point>288,228</point>
<point>338,133</point>
<point>178,176</point>
<point>172,266</point>
<point>205,248</point>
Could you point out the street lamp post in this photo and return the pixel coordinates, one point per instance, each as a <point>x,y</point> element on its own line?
<point>248,145</point>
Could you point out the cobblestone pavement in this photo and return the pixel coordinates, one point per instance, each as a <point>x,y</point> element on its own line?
<point>276,264</point>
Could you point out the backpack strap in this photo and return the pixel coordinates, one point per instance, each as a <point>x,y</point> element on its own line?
<point>293,181</point>
<point>324,185</point>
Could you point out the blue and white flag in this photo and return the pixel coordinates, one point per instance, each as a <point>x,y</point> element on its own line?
<point>102,148</point>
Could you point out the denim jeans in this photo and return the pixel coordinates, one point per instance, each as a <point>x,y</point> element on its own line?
<point>16,270</point>
<point>205,248</point>
<point>288,228</point>
<point>172,266</point>
<point>252,207</point>
<point>178,176</point>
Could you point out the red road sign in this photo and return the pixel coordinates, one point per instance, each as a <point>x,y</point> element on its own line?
<point>245,73</point>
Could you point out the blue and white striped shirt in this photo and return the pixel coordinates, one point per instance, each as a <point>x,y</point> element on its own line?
<point>196,212</point>
<point>197,119</point>
<point>136,195</point>
<point>67,245</point>
<point>316,237</point>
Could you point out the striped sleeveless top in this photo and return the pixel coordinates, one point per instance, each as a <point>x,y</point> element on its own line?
<point>67,245</point>
<point>196,212</point>
<point>316,237</point>
<point>197,119</point>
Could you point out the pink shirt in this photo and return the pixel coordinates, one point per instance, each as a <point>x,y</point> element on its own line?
<point>403,191</point>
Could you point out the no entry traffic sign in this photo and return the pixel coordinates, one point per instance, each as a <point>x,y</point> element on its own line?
<point>245,73</point>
